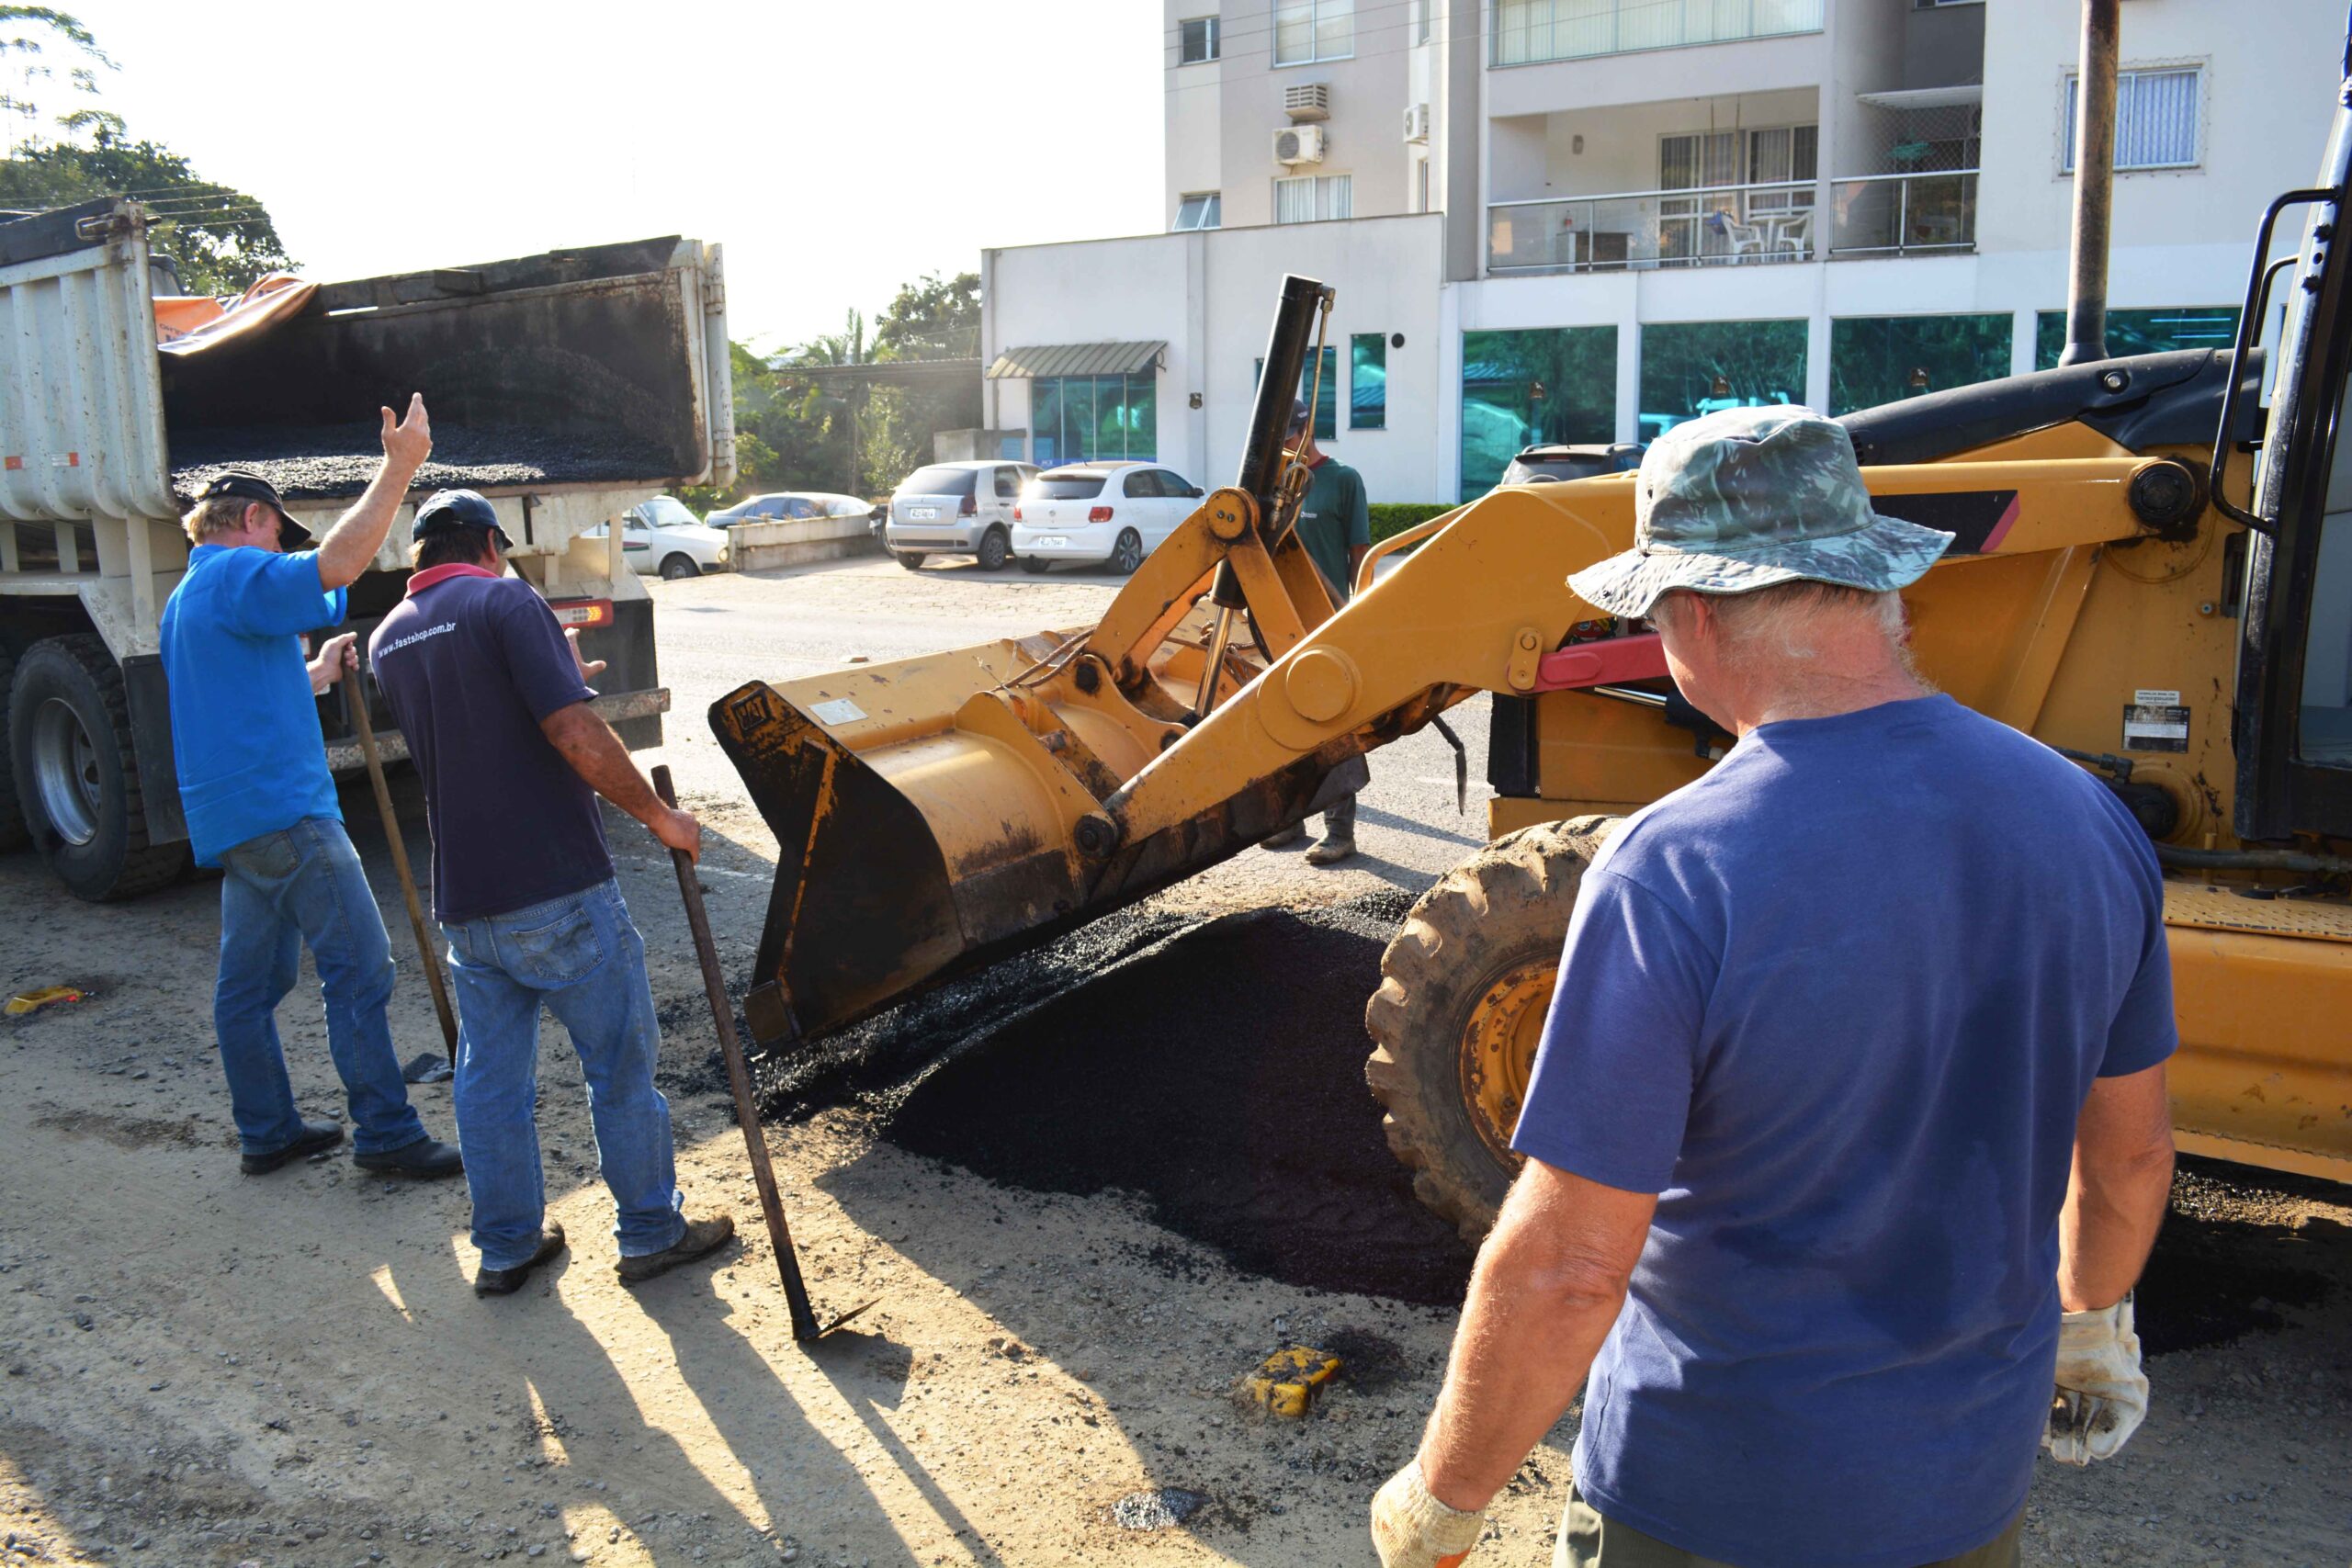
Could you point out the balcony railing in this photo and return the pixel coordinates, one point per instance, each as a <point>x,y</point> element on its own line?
<point>1870,215</point>
<point>1902,215</point>
<point>1708,226</point>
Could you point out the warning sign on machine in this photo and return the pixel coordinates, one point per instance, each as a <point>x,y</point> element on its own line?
<point>2155,721</point>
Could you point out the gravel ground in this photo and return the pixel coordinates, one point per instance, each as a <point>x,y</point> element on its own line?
<point>204,1368</point>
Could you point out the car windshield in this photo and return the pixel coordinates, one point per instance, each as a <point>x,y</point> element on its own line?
<point>667,512</point>
<point>1064,487</point>
<point>938,479</point>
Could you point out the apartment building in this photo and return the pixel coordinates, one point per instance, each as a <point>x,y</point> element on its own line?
<point>1589,220</point>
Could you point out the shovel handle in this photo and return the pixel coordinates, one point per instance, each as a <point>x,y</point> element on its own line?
<point>739,1080</point>
<point>354,702</point>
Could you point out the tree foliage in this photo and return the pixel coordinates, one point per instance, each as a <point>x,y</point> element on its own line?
<point>221,238</point>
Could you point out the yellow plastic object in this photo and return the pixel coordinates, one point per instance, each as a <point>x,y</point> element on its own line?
<point>1290,1380</point>
<point>33,1001</point>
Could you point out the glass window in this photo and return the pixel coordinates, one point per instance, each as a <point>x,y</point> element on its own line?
<point>1527,31</point>
<point>1141,485</point>
<point>1694,367</point>
<point>1198,45</point>
<point>1882,359</point>
<point>1368,381</point>
<point>2142,331</point>
<point>1422,20</point>
<point>1008,484</point>
<point>939,478</point>
<point>1313,29</point>
<point>2156,119</point>
<point>1202,209</point>
<point>667,511</point>
<point>1079,419</point>
<point>1314,199</point>
<point>1536,385</point>
<point>1079,485</point>
<point>1326,392</point>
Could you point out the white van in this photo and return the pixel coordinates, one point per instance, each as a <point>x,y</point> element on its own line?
<point>955,509</point>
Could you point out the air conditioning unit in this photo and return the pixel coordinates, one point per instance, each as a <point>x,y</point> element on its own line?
<point>1308,100</point>
<point>1417,123</point>
<point>1299,144</point>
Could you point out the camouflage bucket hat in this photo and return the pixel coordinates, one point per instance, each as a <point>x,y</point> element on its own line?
<point>1747,498</point>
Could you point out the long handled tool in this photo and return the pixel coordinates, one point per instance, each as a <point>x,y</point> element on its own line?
<point>739,1078</point>
<point>354,702</point>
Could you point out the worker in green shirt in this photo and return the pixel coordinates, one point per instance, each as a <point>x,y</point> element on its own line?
<point>1335,524</point>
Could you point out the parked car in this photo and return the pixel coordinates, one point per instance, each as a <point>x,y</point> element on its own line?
<point>955,509</point>
<point>784,505</point>
<point>1087,512</point>
<point>1542,465</point>
<point>662,536</point>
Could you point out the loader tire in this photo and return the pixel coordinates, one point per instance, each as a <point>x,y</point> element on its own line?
<point>69,743</point>
<point>1464,990</point>
<point>12,812</point>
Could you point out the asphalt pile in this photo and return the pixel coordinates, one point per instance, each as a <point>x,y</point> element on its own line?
<point>331,461</point>
<point>1217,1074</point>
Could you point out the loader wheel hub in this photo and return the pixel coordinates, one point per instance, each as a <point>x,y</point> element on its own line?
<point>1497,1051</point>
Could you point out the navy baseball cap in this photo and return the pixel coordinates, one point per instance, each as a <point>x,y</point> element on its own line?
<point>291,536</point>
<point>1299,414</point>
<point>446,509</point>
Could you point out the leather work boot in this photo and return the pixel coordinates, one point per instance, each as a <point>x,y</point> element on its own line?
<point>316,1135</point>
<point>424,1159</point>
<point>1339,840</point>
<point>506,1281</point>
<point>701,1238</point>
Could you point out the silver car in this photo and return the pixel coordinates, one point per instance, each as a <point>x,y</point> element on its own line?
<point>955,509</point>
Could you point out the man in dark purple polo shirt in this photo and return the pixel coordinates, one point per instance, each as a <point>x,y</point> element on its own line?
<point>494,701</point>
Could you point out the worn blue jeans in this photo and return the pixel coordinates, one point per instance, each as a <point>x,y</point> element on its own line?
<point>280,891</point>
<point>578,957</point>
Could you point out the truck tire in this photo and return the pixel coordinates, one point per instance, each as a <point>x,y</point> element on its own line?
<point>69,743</point>
<point>678,564</point>
<point>995,549</point>
<point>1464,991</point>
<point>12,813</point>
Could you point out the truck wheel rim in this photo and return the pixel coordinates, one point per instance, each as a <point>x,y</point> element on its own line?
<point>1497,1051</point>
<point>65,772</point>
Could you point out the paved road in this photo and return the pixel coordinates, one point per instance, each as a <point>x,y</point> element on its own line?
<point>715,632</point>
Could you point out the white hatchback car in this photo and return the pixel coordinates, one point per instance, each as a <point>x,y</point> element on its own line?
<point>1087,513</point>
<point>662,536</point>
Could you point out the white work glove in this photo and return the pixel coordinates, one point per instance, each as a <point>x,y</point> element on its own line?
<point>2102,1394</point>
<point>1410,1529</point>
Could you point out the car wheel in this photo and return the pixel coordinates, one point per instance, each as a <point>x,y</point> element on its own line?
<point>1033,565</point>
<point>995,549</point>
<point>912,559</point>
<point>678,565</point>
<point>77,775</point>
<point>1127,554</point>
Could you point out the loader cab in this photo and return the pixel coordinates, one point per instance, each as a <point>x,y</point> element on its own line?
<point>2293,734</point>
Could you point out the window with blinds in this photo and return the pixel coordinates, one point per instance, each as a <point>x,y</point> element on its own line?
<point>1314,199</point>
<point>1308,30</point>
<point>2156,114</point>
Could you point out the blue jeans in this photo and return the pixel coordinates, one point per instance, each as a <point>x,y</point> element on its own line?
<point>280,891</point>
<point>578,957</point>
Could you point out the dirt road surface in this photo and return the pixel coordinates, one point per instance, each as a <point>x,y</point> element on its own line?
<point>1080,1232</point>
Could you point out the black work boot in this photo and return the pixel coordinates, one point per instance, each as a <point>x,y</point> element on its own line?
<point>701,1238</point>
<point>316,1135</point>
<point>506,1281</point>
<point>424,1159</point>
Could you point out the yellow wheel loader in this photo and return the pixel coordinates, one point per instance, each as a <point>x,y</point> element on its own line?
<point>2152,573</point>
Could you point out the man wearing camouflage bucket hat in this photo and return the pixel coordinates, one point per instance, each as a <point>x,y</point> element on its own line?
<point>1832,1025</point>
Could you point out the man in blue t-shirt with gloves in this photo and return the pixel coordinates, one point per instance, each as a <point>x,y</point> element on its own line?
<point>261,805</point>
<point>495,702</point>
<point>1848,1135</point>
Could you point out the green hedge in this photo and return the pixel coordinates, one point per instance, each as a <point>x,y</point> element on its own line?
<point>1393,517</point>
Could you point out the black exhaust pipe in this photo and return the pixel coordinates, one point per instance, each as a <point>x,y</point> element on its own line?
<point>1286,346</point>
<point>2093,184</point>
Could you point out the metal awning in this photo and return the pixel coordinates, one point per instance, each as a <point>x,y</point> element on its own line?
<point>1966,94</point>
<point>1078,359</point>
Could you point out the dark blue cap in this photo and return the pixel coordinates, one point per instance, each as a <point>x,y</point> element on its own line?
<point>291,536</point>
<point>446,509</point>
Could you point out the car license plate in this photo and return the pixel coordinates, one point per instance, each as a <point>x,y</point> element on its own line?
<point>925,512</point>
<point>1053,542</point>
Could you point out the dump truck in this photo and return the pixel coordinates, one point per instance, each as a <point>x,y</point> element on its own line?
<point>567,386</point>
<point>2152,573</point>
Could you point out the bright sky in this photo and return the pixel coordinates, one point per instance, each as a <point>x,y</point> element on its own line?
<point>836,150</point>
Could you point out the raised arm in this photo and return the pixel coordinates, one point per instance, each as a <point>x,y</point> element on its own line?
<point>597,754</point>
<point>359,533</point>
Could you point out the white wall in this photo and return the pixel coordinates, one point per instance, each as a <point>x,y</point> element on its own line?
<point>1365,130</point>
<point>1191,110</point>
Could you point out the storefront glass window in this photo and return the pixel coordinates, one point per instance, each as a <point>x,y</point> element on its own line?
<point>1884,359</point>
<point>1694,367</point>
<point>1539,384</point>
<point>1078,419</point>
<point>2142,331</point>
<point>1368,381</point>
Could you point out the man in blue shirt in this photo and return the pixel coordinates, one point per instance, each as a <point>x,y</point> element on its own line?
<point>494,701</point>
<point>1848,1135</point>
<point>261,805</point>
